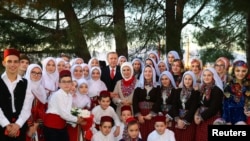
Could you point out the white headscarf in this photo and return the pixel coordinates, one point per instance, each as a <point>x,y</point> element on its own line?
<point>81,100</point>
<point>170,76</point>
<point>156,54</point>
<point>217,79</point>
<point>174,53</point>
<point>50,80</point>
<point>93,58</point>
<point>161,61</point>
<point>83,66</point>
<point>131,68</point>
<point>72,69</point>
<point>120,57</point>
<point>36,88</point>
<point>142,79</point>
<point>155,65</point>
<point>95,86</point>
<point>188,73</point>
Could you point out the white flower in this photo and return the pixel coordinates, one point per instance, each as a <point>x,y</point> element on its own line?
<point>84,114</point>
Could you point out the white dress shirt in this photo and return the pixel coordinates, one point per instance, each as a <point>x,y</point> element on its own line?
<point>60,103</point>
<point>26,109</point>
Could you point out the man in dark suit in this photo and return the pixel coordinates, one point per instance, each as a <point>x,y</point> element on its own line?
<point>108,71</point>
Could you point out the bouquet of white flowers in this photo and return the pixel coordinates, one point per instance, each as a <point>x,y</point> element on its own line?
<point>80,112</point>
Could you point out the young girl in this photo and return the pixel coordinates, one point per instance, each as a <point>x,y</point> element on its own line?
<point>131,131</point>
<point>96,85</point>
<point>235,94</point>
<point>146,101</point>
<point>34,77</point>
<point>86,69</point>
<point>186,106</point>
<point>210,104</point>
<point>170,58</point>
<point>76,72</point>
<point>50,75</point>
<point>138,67</point>
<point>94,62</point>
<point>80,100</point>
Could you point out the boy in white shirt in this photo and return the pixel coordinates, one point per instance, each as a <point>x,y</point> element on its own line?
<point>161,133</point>
<point>105,127</point>
<point>104,109</point>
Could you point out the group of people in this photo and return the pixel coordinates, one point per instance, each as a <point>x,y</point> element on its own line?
<point>139,100</point>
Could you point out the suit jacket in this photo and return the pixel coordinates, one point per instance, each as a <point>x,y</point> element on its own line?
<point>105,77</point>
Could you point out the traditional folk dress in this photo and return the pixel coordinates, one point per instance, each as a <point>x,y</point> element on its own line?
<point>125,88</point>
<point>39,104</point>
<point>146,100</point>
<point>168,99</point>
<point>186,106</point>
<point>57,114</point>
<point>210,104</point>
<point>14,111</point>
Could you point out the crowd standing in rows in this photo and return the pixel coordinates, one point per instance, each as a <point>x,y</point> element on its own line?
<point>139,100</point>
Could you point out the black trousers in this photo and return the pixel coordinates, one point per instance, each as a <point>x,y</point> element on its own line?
<point>52,134</point>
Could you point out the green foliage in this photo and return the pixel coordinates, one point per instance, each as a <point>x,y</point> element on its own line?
<point>209,55</point>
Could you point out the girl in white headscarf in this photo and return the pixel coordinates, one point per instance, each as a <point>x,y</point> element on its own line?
<point>50,77</point>
<point>154,55</point>
<point>170,58</point>
<point>76,72</point>
<point>94,62</point>
<point>121,60</point>
<point>187,103</point>
<point>167,101</point>
<point>210,105</point>
<point>96,85</point>
<point>125,87</point>
<point>60,64</point>
<point>146,100</point>
<point>138,67</point>
<point>34,77</point>
<point>86,69</point>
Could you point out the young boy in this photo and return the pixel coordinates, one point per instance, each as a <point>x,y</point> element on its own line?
<point>104,109</point>
<point>59,110</point>
<point>131,130</point>
<point>126,112</point>
<point>161,133</point>
<point>24,63</point>
<point>104,134</point>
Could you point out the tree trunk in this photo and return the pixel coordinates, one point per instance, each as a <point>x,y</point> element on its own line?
<point>120,28</point>
<point>173,27</point>
<point>248,39</point>
<point>76,33</point>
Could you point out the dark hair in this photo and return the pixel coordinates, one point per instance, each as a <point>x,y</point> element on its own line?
<point>24,57</point>
<point>133,122</point>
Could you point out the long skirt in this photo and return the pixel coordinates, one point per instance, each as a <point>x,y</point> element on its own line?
<point>187,134</point>
<point>202,129</point>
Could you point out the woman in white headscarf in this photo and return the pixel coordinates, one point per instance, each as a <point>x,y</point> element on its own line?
<point>210,106</point>
<point>170,58</point>
<point>125,87</point>
<point>168,97</point>
<point>187,103</point>
<point>76,72</point>
<point>34,77</point>
<point>146,100</point>
<point>50,77</point>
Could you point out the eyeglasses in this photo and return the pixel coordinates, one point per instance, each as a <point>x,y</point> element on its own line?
<point>219,65</point>
<point>33,73</point>
<point>66,82</point>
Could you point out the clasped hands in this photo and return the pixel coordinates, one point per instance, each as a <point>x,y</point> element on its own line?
<point>81,121</point>
<point>12,130</point>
